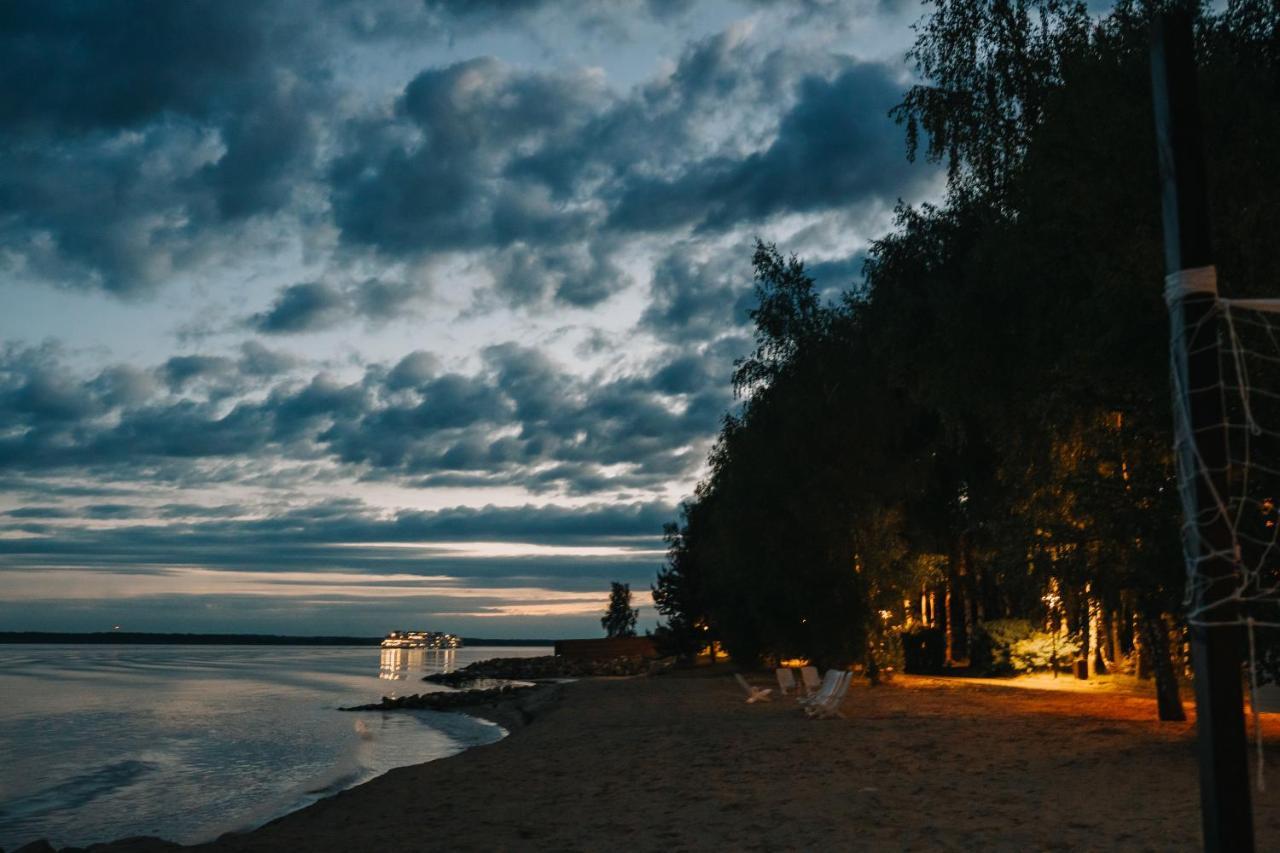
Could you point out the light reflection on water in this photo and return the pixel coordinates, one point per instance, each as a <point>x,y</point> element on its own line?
<point>187,742</point>
<point>399,664</point>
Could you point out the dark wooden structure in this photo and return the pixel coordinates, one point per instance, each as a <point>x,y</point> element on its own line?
<point>606,649</point>
<point>1215,647</point>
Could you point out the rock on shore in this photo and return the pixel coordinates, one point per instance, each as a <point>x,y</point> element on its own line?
<point>510,706</point>
<point>445,701</point>
<point>549,667</point>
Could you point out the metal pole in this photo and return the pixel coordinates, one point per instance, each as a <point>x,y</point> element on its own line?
<point>1215,649</point>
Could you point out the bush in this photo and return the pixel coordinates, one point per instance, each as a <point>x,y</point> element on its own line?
<point>1010,646</point>
<point>924,650</point>
<point>679,640</point>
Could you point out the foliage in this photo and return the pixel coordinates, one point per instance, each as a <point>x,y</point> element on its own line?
<point>619,619</point>
<point>990,406</point>
<point>989,67</point>
<point>924,650</point>
<point>1008,646</point>
<point>678,595</point>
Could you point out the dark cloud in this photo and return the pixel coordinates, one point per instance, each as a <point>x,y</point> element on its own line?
<point>40,512</point>
<point>180,371</point>
<point>189,121</point>
<point>836,276</point>
<point>445,190</point>
<point>134,141</point>
<point>186,510</point>
<point>413,371</point>
<point>685,375</point>
<point>316,306</point>
<point>114,511</point>
<point>528,166</point>
<point>522,419</point>
<point>581,275</point>
<point>124,385</point>
<point>90,66</point>
<point>346,535</point>
<point>379,301</point>
<point>835,148</point>
<point>259,360</point>
<point>305,307</point>
<point>662,123</point>
<point>693,302</point>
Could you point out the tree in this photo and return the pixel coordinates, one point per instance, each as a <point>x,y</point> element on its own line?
<point>984,424</point>
<point>620,619</point>
<point>678,595</point>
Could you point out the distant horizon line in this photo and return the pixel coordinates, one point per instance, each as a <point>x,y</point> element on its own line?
<point>210,639</point>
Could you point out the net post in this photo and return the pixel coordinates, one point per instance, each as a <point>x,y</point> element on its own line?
<point>1227,815</point>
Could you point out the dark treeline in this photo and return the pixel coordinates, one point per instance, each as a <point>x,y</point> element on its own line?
<point>982,430</point>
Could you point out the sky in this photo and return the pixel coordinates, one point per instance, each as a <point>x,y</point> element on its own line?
<point>323,317</point>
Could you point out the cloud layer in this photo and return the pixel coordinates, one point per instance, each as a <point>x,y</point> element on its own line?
<point>322,287</point>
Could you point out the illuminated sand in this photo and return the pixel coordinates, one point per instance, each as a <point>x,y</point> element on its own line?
<point>680,762</point>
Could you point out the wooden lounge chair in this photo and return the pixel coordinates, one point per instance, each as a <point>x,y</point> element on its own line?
<point>830,705</point>
<point>828,684</point>
<point>809,675</point>
<point>754,694</point>
<point>786,680</point>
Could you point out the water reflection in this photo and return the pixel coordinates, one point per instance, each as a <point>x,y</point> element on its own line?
<point>396,664</point>
<point>186,742</point>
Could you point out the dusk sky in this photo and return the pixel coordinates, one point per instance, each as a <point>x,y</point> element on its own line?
<point>331,318</point>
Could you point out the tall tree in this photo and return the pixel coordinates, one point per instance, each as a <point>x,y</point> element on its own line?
<point>619,619</point>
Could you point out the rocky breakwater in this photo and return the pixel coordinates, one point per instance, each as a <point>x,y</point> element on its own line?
<point>549,668</point>
<point>446,700</point>
<point>510,705</point>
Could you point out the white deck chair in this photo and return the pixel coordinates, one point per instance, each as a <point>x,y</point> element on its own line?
<point>830,706</point>
<point>786,680</point>
<point>754,694</point>
<point>809,675</point>
<point>828,684</point>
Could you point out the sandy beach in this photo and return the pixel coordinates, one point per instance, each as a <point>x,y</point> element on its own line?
<point>680,762</point>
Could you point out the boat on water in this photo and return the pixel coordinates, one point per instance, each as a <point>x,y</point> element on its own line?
<point>421,640</point>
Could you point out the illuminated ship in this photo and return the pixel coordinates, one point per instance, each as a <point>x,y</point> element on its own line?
<point>421,640</point>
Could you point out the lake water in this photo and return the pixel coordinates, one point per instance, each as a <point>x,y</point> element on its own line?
<point>187,742</point>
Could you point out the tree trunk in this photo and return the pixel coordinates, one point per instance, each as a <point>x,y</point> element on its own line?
<point>1086,626</point>
<point>1155,642</point>
<point>1113,639</point>
<point>1099,637</point>
<point>973,609</point>
<point>1141,651</point>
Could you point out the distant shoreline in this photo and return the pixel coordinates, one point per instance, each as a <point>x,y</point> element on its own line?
<point>174,639</point>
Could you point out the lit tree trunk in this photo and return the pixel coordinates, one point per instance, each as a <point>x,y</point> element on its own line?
<point>1113,636</point>
<point>1141,650</point>
<point>1099,636</point>
<point>1086,626</point>
<point>1126,628</point>
<point>1155,642</point>
<point>973,606</point>
<point>948,622</point>
<point>957,605</point>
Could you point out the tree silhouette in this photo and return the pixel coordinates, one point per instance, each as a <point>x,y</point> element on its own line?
<point>620,619</point>
<point>986,419</point>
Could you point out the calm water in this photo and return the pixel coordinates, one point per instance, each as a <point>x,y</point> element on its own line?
<point>187,742</point>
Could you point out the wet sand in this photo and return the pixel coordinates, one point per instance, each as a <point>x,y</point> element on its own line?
<point>680,762</point>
